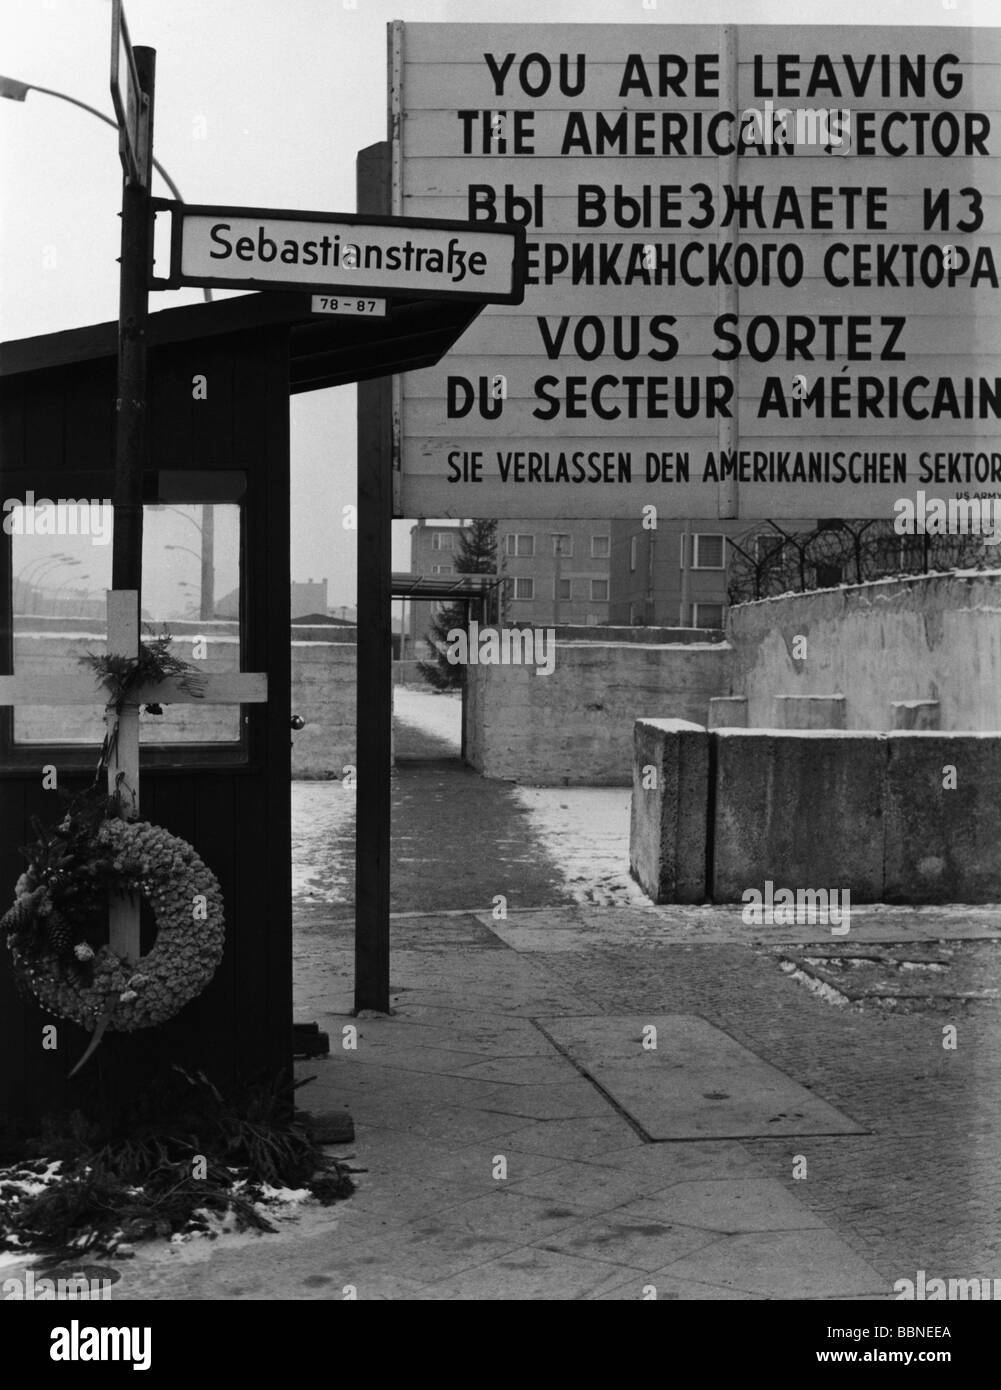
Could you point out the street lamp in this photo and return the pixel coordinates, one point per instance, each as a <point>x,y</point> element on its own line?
<point>206,562</point>
<point>39,561</point>
<point>207,558</point>
<point>73,579</point>
<point>48,565</point>
<point>14,90</point>
<point>56,565</point>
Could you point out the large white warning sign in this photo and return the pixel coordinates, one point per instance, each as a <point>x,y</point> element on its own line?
<point>762,267</point>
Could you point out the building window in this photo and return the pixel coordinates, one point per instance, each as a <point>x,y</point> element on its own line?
<point>524,587</point>
<point>442,569</point>
<point>632,554</point>
<point>441,540</point>
<point>601,547</point>
<point>562,543</point>
<point>599,590</point>
<point>708,553</point>
<point>707,615</point>
<point>520,545</point>
<point>565,590</point>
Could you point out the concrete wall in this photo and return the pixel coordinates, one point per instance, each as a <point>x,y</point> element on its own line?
<point>575,727</point>
<point>927,638</point>
<point>904,817</point>
<point>408,673</point>
<point>323,693</point>
<point>670,807</point>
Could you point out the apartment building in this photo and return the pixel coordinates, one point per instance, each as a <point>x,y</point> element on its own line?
<point>676,575</point>
<point>557,571</point>
<point>433,548</point>
<point>554,571</point>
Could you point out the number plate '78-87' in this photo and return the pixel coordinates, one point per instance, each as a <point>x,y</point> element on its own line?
<point>347,304</point>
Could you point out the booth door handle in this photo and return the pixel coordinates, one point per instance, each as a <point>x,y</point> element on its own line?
<point>297,722</point>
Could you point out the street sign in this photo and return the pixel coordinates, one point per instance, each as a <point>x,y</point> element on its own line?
<point>341,253</point>
<point>762,267</point>
<point>130,102</point>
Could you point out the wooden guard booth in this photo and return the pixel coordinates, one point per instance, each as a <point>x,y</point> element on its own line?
<point>230,799</point>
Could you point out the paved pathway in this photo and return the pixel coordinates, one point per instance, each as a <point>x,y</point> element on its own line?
<point>496,1169</point>
<point>505,1159</point>
<point>426,723</point>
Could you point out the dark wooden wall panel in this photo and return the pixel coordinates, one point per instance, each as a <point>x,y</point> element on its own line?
<point>237,817</point>
<point>270,543</point>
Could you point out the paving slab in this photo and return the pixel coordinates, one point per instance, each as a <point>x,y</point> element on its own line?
<point>779,1264</point>
<point>728,1205</point>
<point>590,1186</point>
<point>642,1288</point>
<point>628,1239</point>
<point>469,1233</point>
<point>463,1125</point>
<point>697,1083</point>
<point>681,1162</point>
<point>590,1137</point>
<point>531,1274</point>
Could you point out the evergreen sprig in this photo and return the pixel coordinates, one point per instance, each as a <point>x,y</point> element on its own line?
<point>154,663</point>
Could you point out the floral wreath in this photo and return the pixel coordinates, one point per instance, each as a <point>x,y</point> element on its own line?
<point>60,913</point>
<point>56,930</point>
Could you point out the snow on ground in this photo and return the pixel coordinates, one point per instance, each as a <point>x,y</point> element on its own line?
<point>323,839</point>
<point>439,715</point>
<point>585,830</point>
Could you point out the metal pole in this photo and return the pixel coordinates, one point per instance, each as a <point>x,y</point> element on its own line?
<point>374,754</point>
<point>207,608</point>
<point>727,295</point>
<point>687,544</point>
<point>558,554</point>
<point>131,433</point>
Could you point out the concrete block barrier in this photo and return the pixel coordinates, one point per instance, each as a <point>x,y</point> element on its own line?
<point>670,802</point>
<point>942,818</point>
<point>801,809</point>
<point>907,817</point>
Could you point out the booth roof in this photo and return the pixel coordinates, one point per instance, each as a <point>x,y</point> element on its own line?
<point>324,349</point>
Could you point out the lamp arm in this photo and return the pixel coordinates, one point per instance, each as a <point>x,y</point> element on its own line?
<point>85,106</point>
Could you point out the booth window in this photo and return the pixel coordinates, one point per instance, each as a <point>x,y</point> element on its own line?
<point>60,571</point>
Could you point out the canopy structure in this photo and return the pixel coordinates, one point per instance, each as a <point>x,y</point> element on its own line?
<point>324,350</point>
<point>445,586</point>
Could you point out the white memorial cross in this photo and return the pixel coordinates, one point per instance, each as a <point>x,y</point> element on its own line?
<point>231,688</point>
